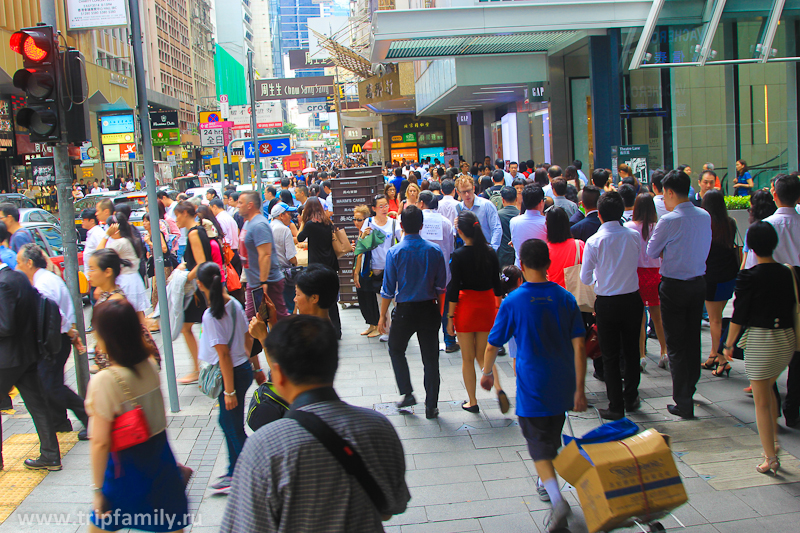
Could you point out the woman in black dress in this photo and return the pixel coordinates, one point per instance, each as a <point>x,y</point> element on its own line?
<point>318,229</point>
<point>198,251</point>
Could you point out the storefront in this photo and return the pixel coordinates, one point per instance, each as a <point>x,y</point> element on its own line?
<point>417,138</point>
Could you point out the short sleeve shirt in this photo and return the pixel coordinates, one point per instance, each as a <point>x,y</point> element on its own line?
<point>256,232</point>
<point>19,238</point>
<point>218,331</point>
<point>543,318</point>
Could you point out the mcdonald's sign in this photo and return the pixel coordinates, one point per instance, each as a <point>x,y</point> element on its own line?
<point>355,149</point>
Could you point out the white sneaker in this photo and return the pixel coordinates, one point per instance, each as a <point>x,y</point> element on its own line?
<point>384,338</point>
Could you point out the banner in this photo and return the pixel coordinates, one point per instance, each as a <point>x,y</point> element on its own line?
<point>301,59</point>
<point>87,14</point>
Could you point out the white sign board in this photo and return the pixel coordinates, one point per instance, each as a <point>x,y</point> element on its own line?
<point>224,108</point>
<point>319,107</point>
<point>266,111</point>
<point>212,137</point>
<point>86,14</point>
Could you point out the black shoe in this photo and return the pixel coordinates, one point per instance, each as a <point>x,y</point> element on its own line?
<point>674,410</point>
<point>452,348</point>
<point>634,405</point>
<point>83,434</point>
<point>407,401</point>
<point>598,377</point>
<point>432,413</point>
<point>791,422</point>
<point>608,414</point>
<point>40,464</point>
<point>502,351</point>
<point>64,427</point>
<point>472,409</point>
<point>6,404</point>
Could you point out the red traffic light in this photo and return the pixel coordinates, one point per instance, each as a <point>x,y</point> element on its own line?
<point>33,44</point>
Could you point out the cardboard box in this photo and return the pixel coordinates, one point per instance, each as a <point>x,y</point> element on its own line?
<point>616,481</point>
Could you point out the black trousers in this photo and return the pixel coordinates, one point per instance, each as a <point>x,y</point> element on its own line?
<point>60,397</point>
<point>791,405</point>
<point>333,314</point>
<point>368,304</point>
<point>422,318</point>
<point>681,313</point>
<point>619,321</point>
<point>26,379</point>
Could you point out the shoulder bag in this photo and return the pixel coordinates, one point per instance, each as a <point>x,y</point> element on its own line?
<point>130,428</point>
<point>584,294</point>
<point>210,378</point>
<point>796,313</point>
<point>343,452</point>
<point>341,244</point>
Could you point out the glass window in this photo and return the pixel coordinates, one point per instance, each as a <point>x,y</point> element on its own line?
<point>53,238</point>
<point>35,216</point>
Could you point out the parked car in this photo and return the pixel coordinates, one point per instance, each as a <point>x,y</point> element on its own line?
<point>34,214</point>
<point>136,199</point>
<point>271,176</point>
<point>19,200</point>
<point>49,238</point>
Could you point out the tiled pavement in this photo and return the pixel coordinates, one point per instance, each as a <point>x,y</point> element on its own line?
<point>472,472</point>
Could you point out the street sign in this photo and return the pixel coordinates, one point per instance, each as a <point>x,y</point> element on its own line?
<point>223,106</point>
<point>269,148</point>
<point>288,88</point>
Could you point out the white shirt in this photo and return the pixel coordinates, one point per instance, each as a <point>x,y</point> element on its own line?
<point>529,225</point>
<point>610,260</point>
<point>53,287</point>
<point>218,331</point>
<point>438,230</point>
<point>130,186</point>
<point>548,191</point>
<point>582,176</point>
<point>661,209</point>
<point>379,253</point>
<point>282,243</point>
<point>231,210</point>
<point>786,222</point>
<point>93,237</point>
<point>96,190</point>
<point>447,207</point>
<point>645,261</point>
<point>230,228</point>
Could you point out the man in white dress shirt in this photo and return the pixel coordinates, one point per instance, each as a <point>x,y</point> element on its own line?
<point>93,235</point>
<point>32,262</point>
<point>283,246</point>
<point>530,224</point>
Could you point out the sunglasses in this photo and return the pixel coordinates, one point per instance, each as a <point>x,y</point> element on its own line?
<point>359,219</point>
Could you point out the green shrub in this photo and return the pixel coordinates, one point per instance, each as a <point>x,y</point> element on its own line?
<point>737,202</point>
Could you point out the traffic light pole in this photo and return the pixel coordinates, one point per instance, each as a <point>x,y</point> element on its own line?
<point>152,201</point>
<point>254,121</point>
<point>66,213</point>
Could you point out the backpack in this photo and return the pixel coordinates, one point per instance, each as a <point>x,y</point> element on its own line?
<point>48,328</point>
<point>266,406</point>
<point>496,198</point>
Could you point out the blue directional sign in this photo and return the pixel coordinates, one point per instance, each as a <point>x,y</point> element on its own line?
<point>270,148</point>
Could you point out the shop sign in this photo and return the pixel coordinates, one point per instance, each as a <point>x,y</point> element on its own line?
<point>464,118</point>
<point>316,107</point>
<point>397,138</point>
<point>409,154</point>
<point>538,91</point>
<point>409,137</point>
<point>417,125</point>
<point>171,137</point>
<point>87,14</point>
<point>379,88</point>
<point>301,59</point>
<point>118,80</point>
<point>635,156</point>
<point>289,88</point>
<point>116,138</point>
<point>6,128</point>
<point>116,124</point>
<point>27,148</point>
<point>163,120</point>
<point>353,133</point>
<point>44,171</point>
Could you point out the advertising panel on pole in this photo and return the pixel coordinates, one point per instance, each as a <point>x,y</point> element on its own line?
<point>288,88</point>
<point>87,14</point>
<point>268,115</point>
<point>635,156</point>
<point>116,124</point>
<point>224,107</point>
<point>301,59</point>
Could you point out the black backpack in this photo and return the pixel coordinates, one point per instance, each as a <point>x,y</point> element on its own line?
<point>48,327</point>
<point>265,406</point>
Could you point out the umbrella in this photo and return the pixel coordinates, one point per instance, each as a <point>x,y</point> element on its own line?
<point>369,144</point>
<point>309,169</point>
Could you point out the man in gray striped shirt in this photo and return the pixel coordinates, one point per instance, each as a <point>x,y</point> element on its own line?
<point>285,479</point>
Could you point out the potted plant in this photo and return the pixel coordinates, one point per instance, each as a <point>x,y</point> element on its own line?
<point>738,209</point>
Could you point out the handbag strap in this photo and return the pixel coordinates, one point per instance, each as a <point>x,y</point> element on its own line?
<point>577,253</point>
<point>343,452</point>
<point>794,282</point>
<point>233,318</point>
<point>125,390</point>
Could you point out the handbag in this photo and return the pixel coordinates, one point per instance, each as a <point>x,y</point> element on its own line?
<point>341,245</point>
<point>210,378</point>
<point>584,294</point>
<point>232,281</point>
<point>290,273</point>
<point>129,428</point>
<point>592,343</point>
<point>796,309</point>
<point>371,241</point>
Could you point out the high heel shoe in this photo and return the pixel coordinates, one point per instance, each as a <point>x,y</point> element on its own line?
<point>725,368</point>
<point>710,364</point>
<point>772,464</point>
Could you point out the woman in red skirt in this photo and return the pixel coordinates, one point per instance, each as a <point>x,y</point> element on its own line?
<point>644,221</point>
<point>473,295</point>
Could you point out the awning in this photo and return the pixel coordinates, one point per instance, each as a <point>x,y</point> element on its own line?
<point>405,35</point>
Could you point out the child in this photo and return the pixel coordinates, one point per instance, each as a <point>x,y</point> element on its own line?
<point>547,324</point>
<point>511,278</point>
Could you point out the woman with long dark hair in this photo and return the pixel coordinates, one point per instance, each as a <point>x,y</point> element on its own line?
<point>391,197</point>
<point>215,236</point>
<point>224,342</point>
<point>722,266</point>
<point>119,237</point>
<point>367,302</point>
<point>198,251</point>
<point>142,480</point>
<point>563,248</point>
<point>762,205</point>
<point>472,295</point>
<point>644,221</point>
<point>743,182</point>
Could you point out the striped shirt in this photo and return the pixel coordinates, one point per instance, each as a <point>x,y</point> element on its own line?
<point>286,481</point>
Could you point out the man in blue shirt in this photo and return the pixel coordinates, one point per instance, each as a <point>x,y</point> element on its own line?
<point>414,276</point>
<point>6,256</point>
<point>546,323</point>
<point>397,181</point>
<point>484,209</point>
<point>682,239</point>
<point>9,214</point>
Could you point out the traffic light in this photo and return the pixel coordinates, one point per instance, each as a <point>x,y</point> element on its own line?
<point>39,79</point>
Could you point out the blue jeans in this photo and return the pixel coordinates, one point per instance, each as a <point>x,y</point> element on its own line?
<point>232,422</point>
<point>181,249</point>
<point>449,340</point>
<point>288,296</point>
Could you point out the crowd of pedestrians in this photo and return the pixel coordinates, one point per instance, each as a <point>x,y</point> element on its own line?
<point>525,261</point>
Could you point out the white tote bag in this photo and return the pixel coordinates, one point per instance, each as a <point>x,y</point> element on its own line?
<point>584,294</point>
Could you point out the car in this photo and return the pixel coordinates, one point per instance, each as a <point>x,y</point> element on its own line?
<point>271,176</point>
<point>136,199</point>
<point>201,191</point>
<point>34,214</point>
<point>49,238</point>
<point>19,200</point>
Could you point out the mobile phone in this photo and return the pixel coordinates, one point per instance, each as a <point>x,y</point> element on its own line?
<point>261,302</point>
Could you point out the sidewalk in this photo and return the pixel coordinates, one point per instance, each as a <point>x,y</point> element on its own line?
<point>471,472</point>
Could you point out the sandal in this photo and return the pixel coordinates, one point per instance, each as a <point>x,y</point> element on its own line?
<point>710,364</point>
<point>375,333</point>
<point>505,405</point>
<point>663,362</point>
<point>189,378</point>
<point>368,330</point>
<point>724,368</point>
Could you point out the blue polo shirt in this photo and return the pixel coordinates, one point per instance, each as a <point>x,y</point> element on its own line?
<point>543,318</point>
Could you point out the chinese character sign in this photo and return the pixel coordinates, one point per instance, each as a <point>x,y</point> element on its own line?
<point>288,88</point>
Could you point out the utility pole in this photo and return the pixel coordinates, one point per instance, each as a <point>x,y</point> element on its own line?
<point>254,122</point>
<point>66,212</point>
<point>338,106</point>
<point>152,201</point>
